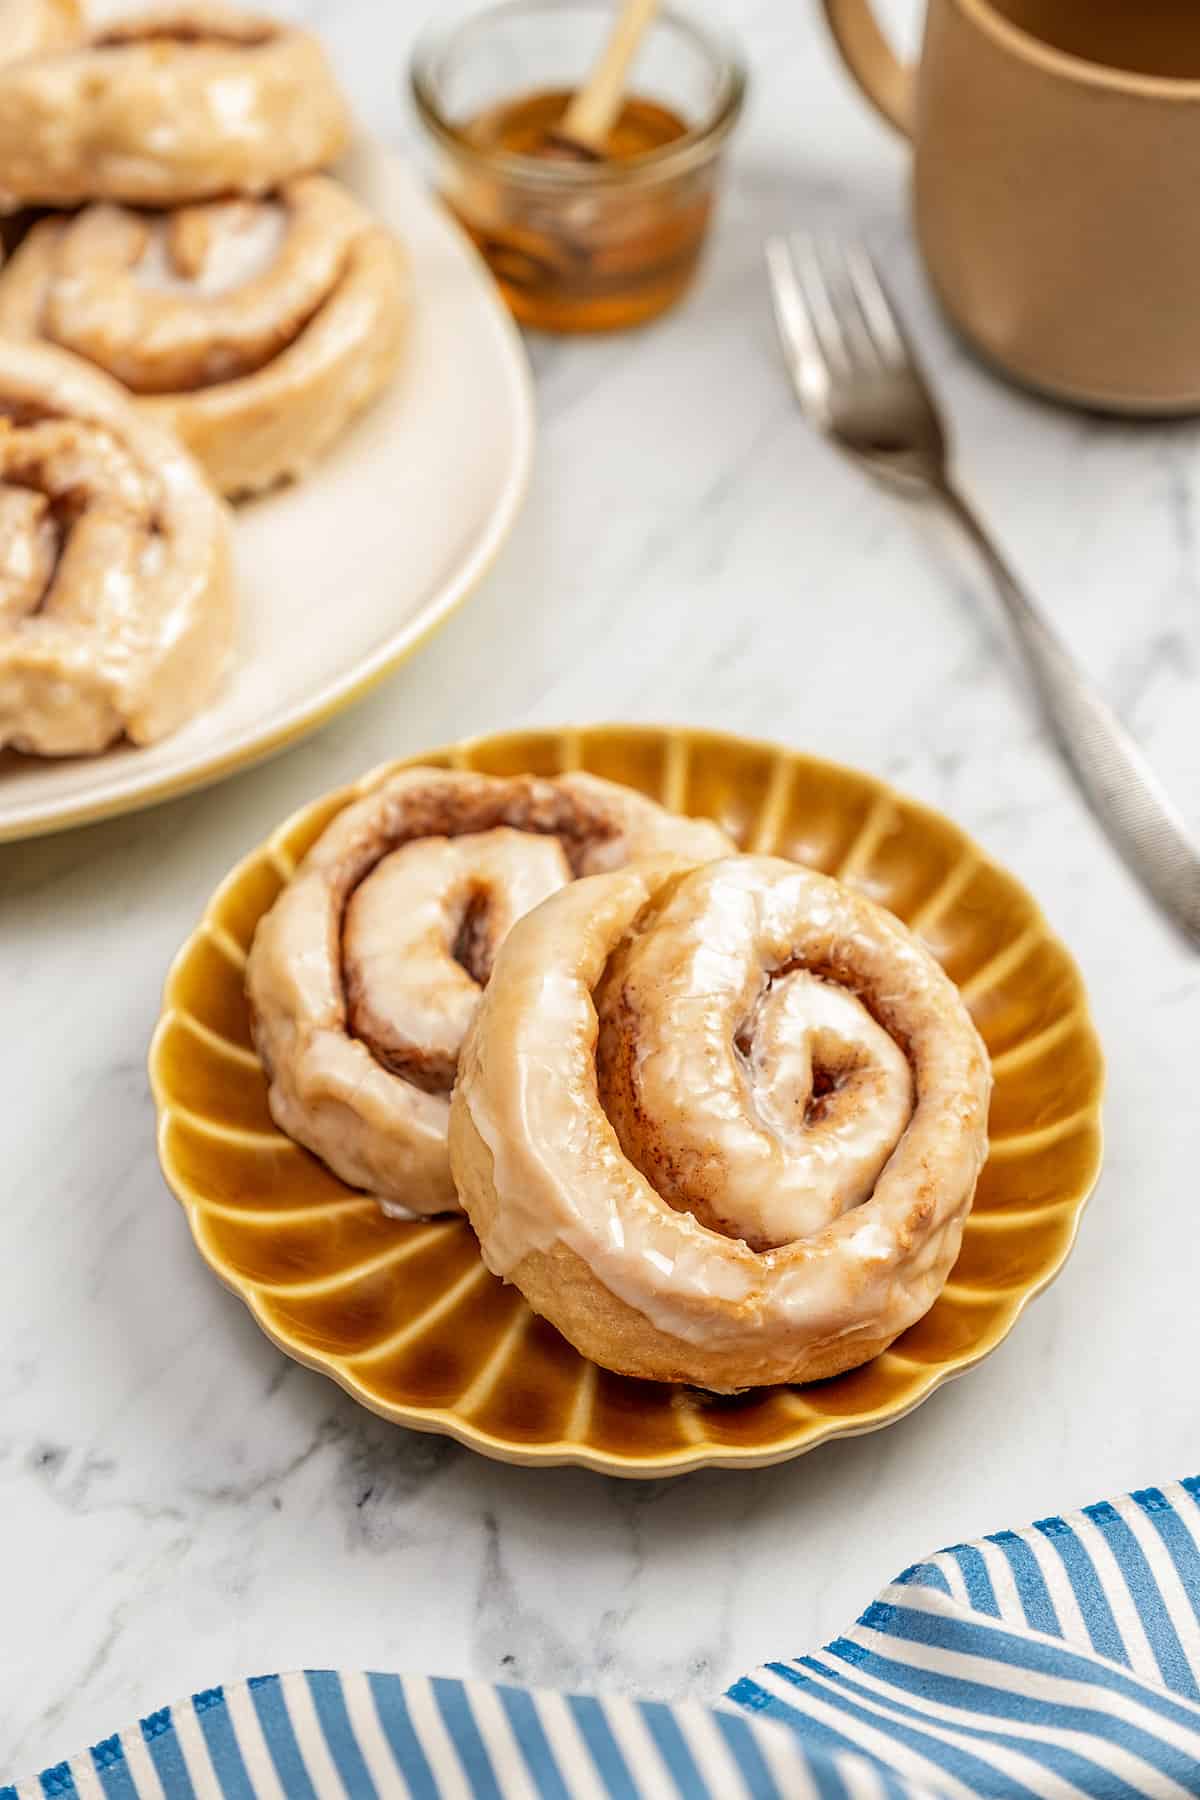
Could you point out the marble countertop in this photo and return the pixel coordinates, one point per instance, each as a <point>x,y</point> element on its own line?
<point>182,1505</point>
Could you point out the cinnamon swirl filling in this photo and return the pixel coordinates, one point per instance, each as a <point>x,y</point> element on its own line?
<point>720,1125</point>
<point>366,973</point>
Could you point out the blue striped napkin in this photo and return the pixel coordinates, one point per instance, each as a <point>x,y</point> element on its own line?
<point>1057,1662</point>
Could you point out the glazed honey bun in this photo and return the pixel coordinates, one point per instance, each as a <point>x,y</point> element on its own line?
<point>366,972</point>
<point>722,1125</point>
<point>116,610</point>
<point>162,106</point>
<point>254,329</point>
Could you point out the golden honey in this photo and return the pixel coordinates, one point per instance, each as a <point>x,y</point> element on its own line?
<point>583,252</point>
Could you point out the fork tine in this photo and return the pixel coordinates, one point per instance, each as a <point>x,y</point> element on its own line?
<point>802,346</point>
<point>863,353</point>
<point>815,288</point>
<point>876,308</point>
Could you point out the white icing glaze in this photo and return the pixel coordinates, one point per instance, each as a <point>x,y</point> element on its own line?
<point>254,330</point>
<point>171,105</point>
<point>528,1082</point>
<point>246,238</point>
<point>411,998</point>
<point>115,605</point>
<point>203,295</point>
<point>737,1138</point>
<point>28,550</point>
<point>357,956</point>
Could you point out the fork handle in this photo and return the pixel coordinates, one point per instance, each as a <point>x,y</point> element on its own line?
<point>1118,783</point>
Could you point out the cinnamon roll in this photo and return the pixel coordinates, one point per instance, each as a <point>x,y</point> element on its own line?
<point>720,1125</point>
<point>366,972</point>
<point>116,611</point>
<point>256,330</point>
<point>167,105</point>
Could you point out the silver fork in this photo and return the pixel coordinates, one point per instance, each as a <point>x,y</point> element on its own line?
<point>860,384</point>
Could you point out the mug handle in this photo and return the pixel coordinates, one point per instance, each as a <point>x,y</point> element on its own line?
<point>883,78</point>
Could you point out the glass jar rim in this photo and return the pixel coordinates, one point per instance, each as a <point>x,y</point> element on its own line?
<point>696,145</point>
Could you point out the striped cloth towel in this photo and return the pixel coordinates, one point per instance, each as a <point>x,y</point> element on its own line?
<point>1057,1662</point>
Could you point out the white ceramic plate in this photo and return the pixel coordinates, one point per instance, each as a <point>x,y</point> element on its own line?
<point>342,576</point>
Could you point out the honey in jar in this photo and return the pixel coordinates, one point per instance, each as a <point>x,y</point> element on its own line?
<point>580,241</point>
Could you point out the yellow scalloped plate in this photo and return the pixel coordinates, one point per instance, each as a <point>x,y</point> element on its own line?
<point>406,1317</point>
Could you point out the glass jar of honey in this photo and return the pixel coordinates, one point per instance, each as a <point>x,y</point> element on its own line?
<point>579,242</point>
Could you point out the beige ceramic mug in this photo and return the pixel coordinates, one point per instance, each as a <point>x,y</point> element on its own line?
<point>1056,184</point>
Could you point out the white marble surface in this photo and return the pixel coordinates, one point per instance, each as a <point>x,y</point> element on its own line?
<point>179,1503</point>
